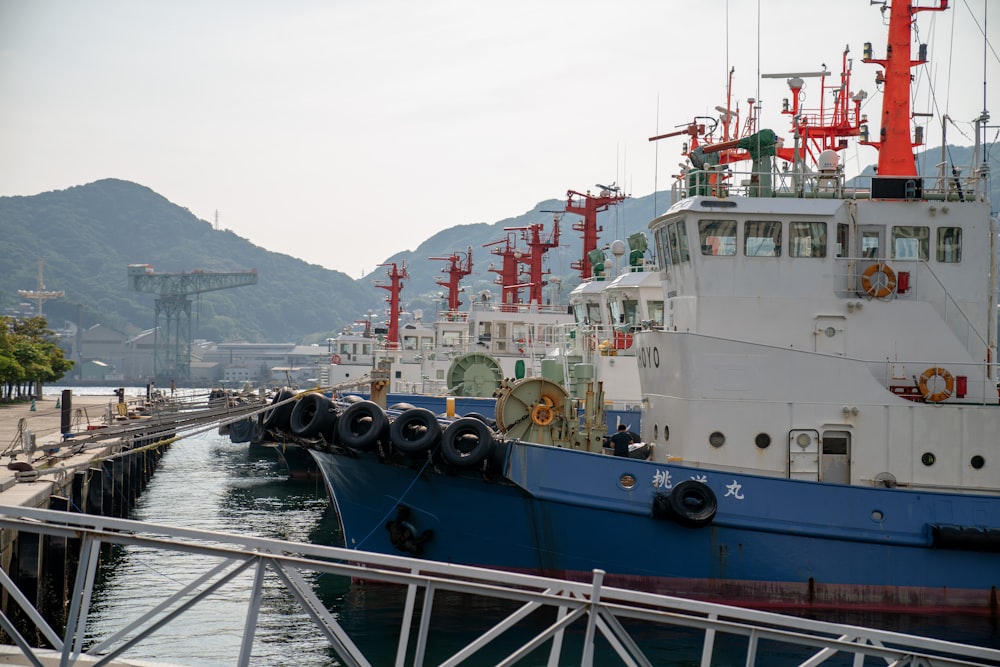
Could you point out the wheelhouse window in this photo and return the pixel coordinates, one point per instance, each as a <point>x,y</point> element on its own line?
<point>656,312</point>
<point>949,244</point>
<point>677,237</point>
<point>762,238</point>
<point>624,311</point>
<point>807,239</point>
<point>662,246</point>
<point>843,239</point>
<point>718,237</point>
<point>911,242</point>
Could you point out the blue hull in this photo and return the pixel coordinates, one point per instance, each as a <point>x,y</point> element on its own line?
<point>771,543</point>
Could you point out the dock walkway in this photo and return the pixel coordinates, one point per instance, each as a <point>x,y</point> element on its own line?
<point>44,422</point>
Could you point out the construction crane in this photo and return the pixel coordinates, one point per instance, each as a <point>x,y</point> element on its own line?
<point>172,339</point>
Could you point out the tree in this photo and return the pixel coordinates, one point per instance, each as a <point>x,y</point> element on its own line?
<point>29,357</point>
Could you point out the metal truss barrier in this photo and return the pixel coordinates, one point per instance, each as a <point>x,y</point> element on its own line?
<point>594,612</point>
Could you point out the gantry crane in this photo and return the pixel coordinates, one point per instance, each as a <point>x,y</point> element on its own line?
<point>172,340</point>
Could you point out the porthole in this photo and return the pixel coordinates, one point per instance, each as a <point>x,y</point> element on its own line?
<point>627,482</point>
<point>666,433</point>
<point>928,459</point>
<point>716,439</point>
<point>656,431</point>
<point>763,441</point>
<point>977,462</point>
<point>877,515</point>
<point>830,332</point>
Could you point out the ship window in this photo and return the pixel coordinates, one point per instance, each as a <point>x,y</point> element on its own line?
<point>656,312</point>
<point>843,238</point>
<point>807,239</point>
<point>949,244</point>
<point>869,244</point>
<point>662,247</point>
<point>762,238</point>
<point>718,237</point>
<point>594,313</point>
<point>678,242</point>
<point>911,242</point>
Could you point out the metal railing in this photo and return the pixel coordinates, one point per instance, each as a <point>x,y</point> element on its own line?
<point>583,611</point>
<point>724,181</point>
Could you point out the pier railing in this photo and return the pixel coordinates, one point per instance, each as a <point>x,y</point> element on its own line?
<point>580,613</point>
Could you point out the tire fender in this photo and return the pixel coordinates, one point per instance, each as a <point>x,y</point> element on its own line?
<point>693,504</point>
<point>466,442</point>
<point>415,431</point>
<point>313,414</point>
<point>278,417</point>
<point>362,426</point>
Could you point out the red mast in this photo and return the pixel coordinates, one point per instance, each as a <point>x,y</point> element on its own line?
<point>395,286</point>
<point>456,270</point>
<point>532,234</point>
<point>510,289</point>
<point>825,128</point>
<point>895,147</point>
<point>589,206</point>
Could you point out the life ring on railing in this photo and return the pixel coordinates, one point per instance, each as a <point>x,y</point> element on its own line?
<point>938,396</point>
<point>334,358</point>
<point>881,286</point>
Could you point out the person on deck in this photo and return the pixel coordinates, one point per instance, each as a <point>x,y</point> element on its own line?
<point>621,440</point>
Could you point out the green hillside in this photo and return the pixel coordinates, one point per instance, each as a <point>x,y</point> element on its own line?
<point>89,234</point>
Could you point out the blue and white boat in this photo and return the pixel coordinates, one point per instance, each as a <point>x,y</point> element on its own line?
<point>820,400</point>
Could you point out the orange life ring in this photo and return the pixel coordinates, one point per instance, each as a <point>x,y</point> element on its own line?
<point>883,285</point>
<point>335,359</point>
<point>925,391</point>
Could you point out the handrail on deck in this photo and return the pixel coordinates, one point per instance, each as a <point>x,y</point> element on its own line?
<point>589,607</point>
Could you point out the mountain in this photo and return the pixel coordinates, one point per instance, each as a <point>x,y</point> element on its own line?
<point>89,234</point>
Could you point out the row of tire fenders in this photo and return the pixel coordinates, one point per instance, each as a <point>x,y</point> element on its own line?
<point>363,425</point>
<point>466,442</point>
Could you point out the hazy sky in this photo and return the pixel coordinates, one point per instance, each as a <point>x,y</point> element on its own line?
<point>344,131</point>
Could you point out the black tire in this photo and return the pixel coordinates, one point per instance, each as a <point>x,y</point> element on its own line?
<point>362,426</point>
<point>313,414</point>
<point>401,406</point>
<point>483,418</point>
<point>277,417</point>
<point>352,398</point>
<point>693,504</point>
<point>466,442</point>
<point>415,431</point>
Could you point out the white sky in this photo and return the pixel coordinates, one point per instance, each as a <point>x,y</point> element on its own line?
<point>343,131</point>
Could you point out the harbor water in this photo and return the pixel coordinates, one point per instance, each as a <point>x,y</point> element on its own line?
<point>208,483</point>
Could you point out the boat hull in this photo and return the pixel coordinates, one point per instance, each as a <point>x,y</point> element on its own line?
<point>772,543</point>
